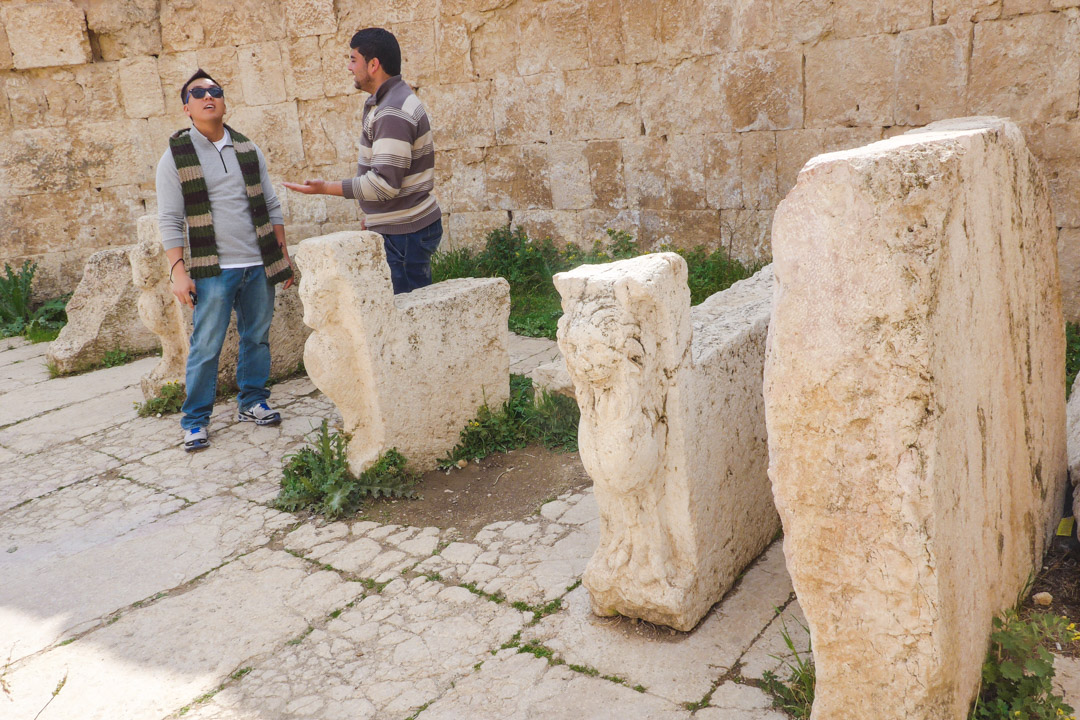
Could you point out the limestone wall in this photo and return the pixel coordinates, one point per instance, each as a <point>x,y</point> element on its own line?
<point>684,121</point>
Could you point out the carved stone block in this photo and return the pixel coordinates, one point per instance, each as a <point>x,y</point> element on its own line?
<point>405,371</point>
<point>672,432</point>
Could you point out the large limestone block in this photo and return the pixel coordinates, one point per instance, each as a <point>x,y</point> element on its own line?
<point>46,34</point>
<point>916,414</point>
<point>672,432</point>
<point>406,371</point>
<point>102,315</point>
<point>172,322</point>
<point>1073,425</point>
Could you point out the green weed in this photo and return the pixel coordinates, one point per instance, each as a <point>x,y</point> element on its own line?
<point>1017,677</point>
<point>170,399</point>
<point>317,478</point>
<point>528,265</point>
<point>116,358</point>
<point>18,316</point>
<point>796,695</point>
<point>551,420</point>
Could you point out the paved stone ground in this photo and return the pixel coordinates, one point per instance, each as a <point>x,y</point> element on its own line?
<point>146,583</point>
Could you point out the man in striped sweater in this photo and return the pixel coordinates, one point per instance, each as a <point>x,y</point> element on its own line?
<point>396,171</point>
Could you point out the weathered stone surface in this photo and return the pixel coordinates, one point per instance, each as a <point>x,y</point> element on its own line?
<point>102,315</point>
<point>931,74</point>
<point>140,87</point>
<point>310,17</point>
<point>648,374</point>
<point>460,114</point>
<point>1069,268</point>
<point>1043,50</point>
<point>124,28</point>
<point>553,377</point>
<point>918,471</point>
<point>851,82</point>
<point>404,371</point>
<point>1073,442</point>
<point>162,313</point>
<point>45,34</point>
<point>302,59</point>
<point>261,73</point>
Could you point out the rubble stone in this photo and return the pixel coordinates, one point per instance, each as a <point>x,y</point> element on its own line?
<point>46,34</point>
<point>405,371</point>
<point>102,315</point>
<point>649,373</point>
<point>918,470</point>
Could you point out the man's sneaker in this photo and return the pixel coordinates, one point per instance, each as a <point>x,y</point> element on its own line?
<point>260,414</point>
<point>195,439</point>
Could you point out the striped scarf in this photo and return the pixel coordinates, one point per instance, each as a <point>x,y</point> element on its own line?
<point>201,240</point>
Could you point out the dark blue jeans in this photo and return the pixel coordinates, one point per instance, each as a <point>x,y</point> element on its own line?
<point>409,257</point>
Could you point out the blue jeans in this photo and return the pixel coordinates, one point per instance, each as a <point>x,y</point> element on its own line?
<point>409,257</point>
<point>251,294</point>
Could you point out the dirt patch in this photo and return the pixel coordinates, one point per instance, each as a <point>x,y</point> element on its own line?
<point>1060,576</point>
<point>503,486</point>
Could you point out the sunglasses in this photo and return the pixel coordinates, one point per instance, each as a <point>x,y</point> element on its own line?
<point>200,92</point>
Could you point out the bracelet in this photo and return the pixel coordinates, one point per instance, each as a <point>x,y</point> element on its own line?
<point>180,260</point>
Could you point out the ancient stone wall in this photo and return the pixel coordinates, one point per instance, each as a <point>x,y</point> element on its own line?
<point>684,121</point>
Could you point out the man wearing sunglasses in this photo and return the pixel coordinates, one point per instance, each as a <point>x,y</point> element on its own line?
<point>396,172</point>
<point>212,182</point>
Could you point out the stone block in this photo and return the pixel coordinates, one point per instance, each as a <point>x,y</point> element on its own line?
<point>310,17</point>
<point>606,174</point>
<point>50,97</point>
<point>553,378</point>
<point>6,61</point>
<point>276,130</point>
<point>723,183</point>
<point>1069,268</point>
<point>793,149</point>
<point>170,321</point>
<point>649,373</point>
<point>102,315</point>
<point>1072,412</point>
<point>302,60</point>
<point>680,30</point>
<point>598,104</point>
<point>523,107</point>
<point>406,371</point>
<point>243,22</point>
<point>919,472</point>
<point>571,186</point>
<point>42,160</point>
<point>124,28</point>
<point>331,129</point>
<point>1026,67</point>
<point>46,34</point>
<point>516,177</point>
<point>665,109</point>
<point>757,168</point>
<point>762,90</point>
<point>140,87</point>
<point>931,73</point>
<point>553,36</point>
<point>461,114</point>
<point>745,233</point>
<point>562,226</point>
<point>640,31</point>
<point>453,50</point>
<point>851,82</point>
<point>665,173</point>
<point>494,39</point>
<point>174,69</point>
<point>262,75</point>
<point>605,32</point>
<point>417,41</point>
<point>181,26</point>
<point>470,229</point>
<point>460,177</point>
<point>684,229</point>
<point>966,10</point>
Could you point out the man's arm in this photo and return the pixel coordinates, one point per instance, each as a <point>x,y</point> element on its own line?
<point>317,187</point>
<point>172,221</point>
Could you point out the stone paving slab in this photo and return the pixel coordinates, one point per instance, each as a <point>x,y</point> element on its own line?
<point>680,667</point>
<point>526,353</point>
<point>385,657</point>
<point>27,477</point>
<point>72,422</point>
<point>17,350</point>
<point>49,596</point>
<point>770,652</point>
<point>163,656</point>
<point>29,402</point>
<point>532,562</point>
<point>519,686</point>
<point>17,375</point>
<point>731,701</point>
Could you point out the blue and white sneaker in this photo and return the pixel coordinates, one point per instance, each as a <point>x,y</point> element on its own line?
<point>260,414</point>
<point>196,439</point>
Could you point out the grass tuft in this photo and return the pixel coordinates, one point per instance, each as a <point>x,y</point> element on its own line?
<point>796,695</point>
<point>170,399</point>
<point>317,478</point>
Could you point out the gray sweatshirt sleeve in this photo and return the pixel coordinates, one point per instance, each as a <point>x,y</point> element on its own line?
<point>273,205</point>
<point>170,200</point>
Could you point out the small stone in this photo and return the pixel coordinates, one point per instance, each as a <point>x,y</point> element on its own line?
<point>13,548</point>
<point>461,463</point>
<point>1043,598</point>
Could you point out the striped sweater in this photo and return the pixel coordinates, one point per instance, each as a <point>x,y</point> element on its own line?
<point>396,171</point>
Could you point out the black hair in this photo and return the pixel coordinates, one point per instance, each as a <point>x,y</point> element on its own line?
<point>379,43</point>
<point>199,75</point>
